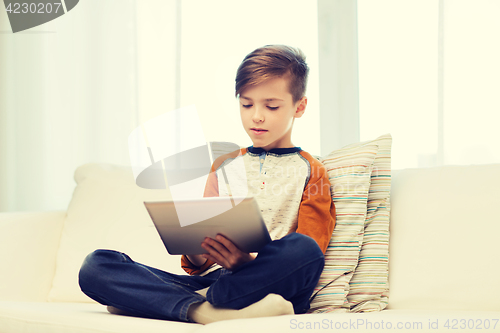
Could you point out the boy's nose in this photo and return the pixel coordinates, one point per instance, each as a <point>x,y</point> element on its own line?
<point>258,116</point>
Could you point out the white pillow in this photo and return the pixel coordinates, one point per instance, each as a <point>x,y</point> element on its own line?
<point>107,212</point>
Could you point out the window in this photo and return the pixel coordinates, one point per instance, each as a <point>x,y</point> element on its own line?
<point>429,75</point>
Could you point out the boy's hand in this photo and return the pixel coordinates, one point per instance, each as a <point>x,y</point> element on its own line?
<point>196,259</point>
<point>222,251</point>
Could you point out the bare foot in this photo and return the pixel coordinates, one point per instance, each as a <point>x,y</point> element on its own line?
<point>271,305</point>
<point>274,305</point>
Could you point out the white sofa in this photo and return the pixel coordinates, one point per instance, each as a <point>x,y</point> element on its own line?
<point>443,273</point>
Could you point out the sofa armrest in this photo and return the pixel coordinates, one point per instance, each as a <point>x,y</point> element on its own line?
<point>29,243</point>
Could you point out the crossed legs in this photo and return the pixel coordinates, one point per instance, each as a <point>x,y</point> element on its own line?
<point>279,281</point>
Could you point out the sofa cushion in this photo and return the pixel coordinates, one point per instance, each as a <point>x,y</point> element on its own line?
<point>107,211</point>
<point>42,317</point>
<point>372,322</point>
<point>29,243</point>
<point>444,238</point>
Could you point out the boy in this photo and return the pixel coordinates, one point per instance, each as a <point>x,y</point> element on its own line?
<point>293,193</point>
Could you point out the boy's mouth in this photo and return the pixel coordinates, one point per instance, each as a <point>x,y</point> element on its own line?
<point>258,130</point>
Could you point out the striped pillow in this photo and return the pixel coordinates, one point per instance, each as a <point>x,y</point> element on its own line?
<point>356,262</point>
<point>349,170</point>
<point>369,286</point>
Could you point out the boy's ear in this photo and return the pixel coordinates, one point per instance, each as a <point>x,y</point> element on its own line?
<point>301,107</point>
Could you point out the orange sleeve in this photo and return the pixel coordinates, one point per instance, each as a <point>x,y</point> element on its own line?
<point>211,190</point>
<point>317,211</point>
<point>192,269</point>
<point>212,185</point>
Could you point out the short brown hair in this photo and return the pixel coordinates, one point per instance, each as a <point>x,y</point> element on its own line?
<point>272,61</point>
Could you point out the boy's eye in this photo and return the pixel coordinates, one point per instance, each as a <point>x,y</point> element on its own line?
<point>273,107</point>
<point>247,105</point>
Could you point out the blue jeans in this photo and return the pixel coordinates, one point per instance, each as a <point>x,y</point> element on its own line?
<point>290,267</point>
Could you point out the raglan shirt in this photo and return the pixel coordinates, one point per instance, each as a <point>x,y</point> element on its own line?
<point>290,186</point>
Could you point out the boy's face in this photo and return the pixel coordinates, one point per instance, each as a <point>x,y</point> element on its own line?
<point>267,113</point>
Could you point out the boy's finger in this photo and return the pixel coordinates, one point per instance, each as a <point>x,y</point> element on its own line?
<point>227,244</point>
<point>221,248</point>
<point>209,257</point>
<point>218,249</point>
<point>214,255</point>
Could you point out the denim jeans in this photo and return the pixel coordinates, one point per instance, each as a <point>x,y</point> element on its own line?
<point>290,267</point>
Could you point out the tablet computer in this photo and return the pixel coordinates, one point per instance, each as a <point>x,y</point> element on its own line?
<point>242,223</point>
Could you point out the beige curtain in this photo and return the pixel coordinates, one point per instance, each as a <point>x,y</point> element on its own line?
<point>73,89</point>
